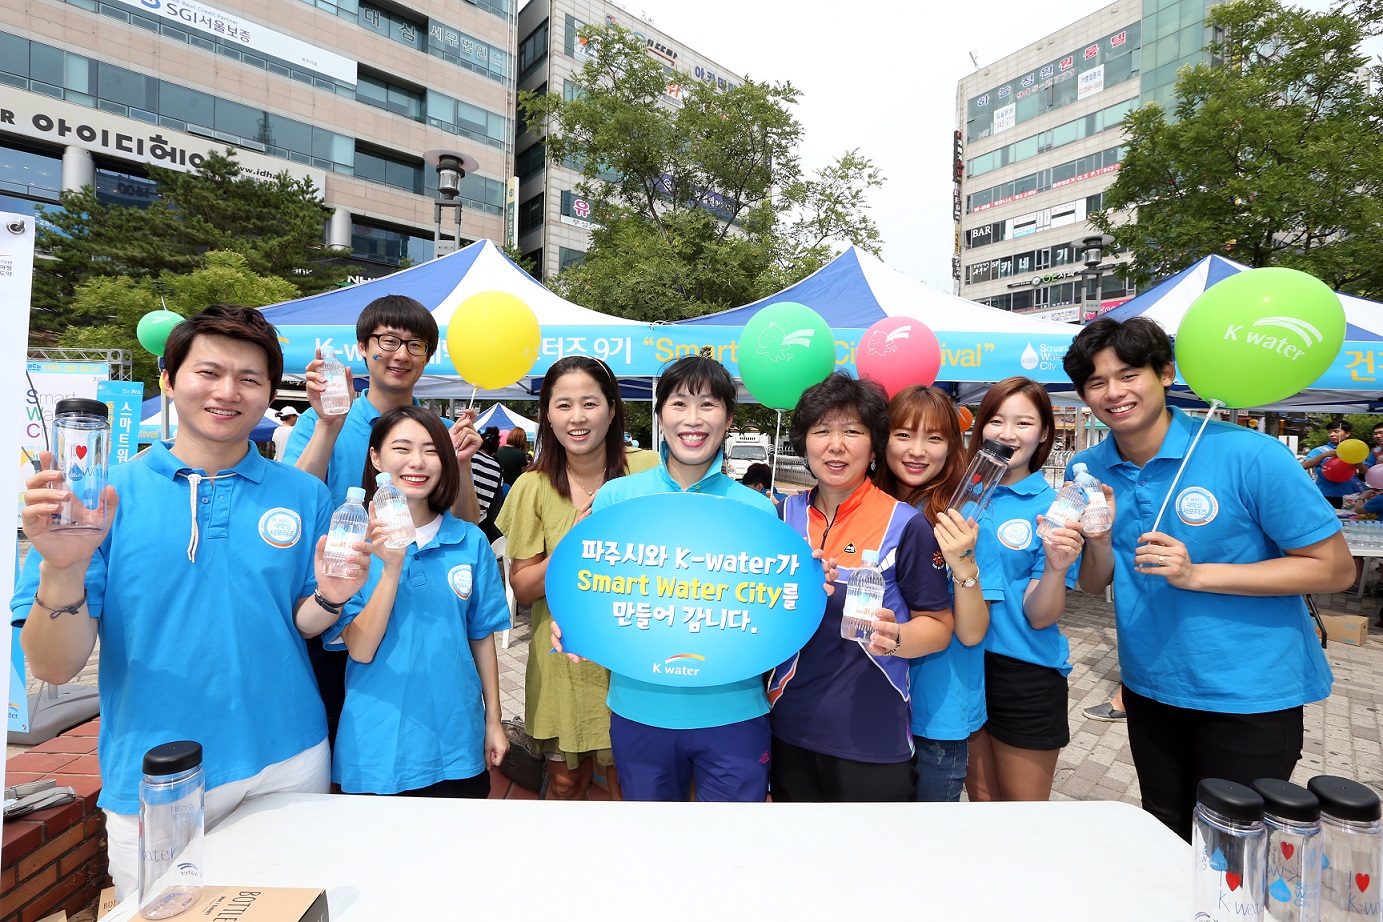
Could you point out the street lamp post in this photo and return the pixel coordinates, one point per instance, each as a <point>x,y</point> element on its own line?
<point>452,167</point>
<point>1091,250</point>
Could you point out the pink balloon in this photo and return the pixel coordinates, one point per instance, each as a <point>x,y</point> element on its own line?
<point>1374,477</point>
<point>898,352</point>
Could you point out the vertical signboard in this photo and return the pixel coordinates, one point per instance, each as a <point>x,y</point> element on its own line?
<point>124,400</point>
<point>511,212</point>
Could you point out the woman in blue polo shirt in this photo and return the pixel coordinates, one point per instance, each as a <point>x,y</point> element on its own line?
<point>1013,757</point>
<point>422,713</point>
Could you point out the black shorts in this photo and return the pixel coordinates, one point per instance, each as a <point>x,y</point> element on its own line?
<point>1027,703</point>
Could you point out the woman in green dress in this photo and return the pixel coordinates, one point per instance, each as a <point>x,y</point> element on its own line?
<point>580,447</point>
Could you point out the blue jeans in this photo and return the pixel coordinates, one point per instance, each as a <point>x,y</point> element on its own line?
<point>941,768</point>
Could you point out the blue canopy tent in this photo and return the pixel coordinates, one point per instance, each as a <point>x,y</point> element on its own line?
<point>502,418</point>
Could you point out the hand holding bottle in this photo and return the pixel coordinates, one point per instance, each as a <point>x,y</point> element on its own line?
<point>317,382</point>
<point>380,527</point>
<point>44,496</point>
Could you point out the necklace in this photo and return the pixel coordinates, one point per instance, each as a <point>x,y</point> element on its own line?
<point>589,492</point>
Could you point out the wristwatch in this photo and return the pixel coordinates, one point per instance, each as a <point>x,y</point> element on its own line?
<point>967,582</point>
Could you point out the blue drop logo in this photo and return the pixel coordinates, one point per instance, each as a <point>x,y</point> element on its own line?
<point>1279,891</point>
<point>1325,861</point>
<point>1217,861</point>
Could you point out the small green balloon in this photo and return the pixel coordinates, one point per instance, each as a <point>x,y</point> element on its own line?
<point>1260,336</point>
<point>785,348</point>
<point>154,328</point>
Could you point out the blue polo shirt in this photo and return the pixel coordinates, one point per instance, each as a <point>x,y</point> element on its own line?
<point>661,705</point>
<point>1009,547</point>
<point>948,686</point>
<point>1243,498</point>
<point>414,715</point>
<point>202,649</point>
<point>346,468</point>
<point>1327,486</point>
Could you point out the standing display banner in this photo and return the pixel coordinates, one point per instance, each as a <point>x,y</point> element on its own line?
<point>125,400</point>
<point>16,285</point>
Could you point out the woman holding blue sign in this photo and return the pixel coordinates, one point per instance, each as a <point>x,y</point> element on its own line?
<point>1026,662</point>
<point>580,423</point>
<point>926,463</point>
<point>422,714</point>
<point>841,708</point>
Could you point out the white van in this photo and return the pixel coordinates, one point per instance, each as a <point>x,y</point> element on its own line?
<point>743,449</point>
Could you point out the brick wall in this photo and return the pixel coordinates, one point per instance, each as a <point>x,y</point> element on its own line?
<point>56,858</point>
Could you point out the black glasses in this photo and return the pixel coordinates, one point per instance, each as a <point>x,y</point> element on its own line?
<point>390,343</point>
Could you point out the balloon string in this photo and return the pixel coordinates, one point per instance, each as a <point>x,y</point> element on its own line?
<point>475,388</point>
<point>1214,406</point>
<point>773,478</point>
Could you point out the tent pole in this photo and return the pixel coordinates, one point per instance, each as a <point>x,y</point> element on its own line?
<point>657,430</point>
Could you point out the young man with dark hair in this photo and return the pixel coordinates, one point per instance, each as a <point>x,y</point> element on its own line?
<point>1334,491</point>
<point>201,587</point>
<point>1216,648</point>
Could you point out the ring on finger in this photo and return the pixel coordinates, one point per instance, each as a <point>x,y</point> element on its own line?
<point>1162,561</point>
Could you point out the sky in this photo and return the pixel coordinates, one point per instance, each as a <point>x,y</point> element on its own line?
<point>880,77</point>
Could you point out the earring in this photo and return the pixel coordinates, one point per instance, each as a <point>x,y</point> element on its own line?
<point>872,464</point>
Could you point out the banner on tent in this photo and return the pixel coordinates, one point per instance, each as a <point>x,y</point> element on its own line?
<point>637,350</point>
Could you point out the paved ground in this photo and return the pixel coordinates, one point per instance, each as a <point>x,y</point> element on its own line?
<point>1343,733</point>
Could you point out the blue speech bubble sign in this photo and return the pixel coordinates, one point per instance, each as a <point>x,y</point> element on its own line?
<point>685,589</point>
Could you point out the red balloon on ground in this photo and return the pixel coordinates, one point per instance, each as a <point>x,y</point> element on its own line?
<point>898,352</point>
<point>1336,471</point>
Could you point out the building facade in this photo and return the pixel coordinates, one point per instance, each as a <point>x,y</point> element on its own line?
<point>553,220</point>
<point>1037,142</point>
<point>347,92</point>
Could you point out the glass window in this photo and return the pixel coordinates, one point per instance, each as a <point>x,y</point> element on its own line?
<point>126,87</point>
<point>46,64</point>
<point>530,161</point>
<point>1022,300</point>
<point>287,133</point>
<point>567,258</point>
<point>532,50</point>
<point>26,173</point>
<point>14,54</point>
<point>125,189</point>
<point>239,120</point>
<point>328,145</point>
<point>531,214</point>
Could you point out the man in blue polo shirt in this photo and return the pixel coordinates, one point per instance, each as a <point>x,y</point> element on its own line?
<point>1334,491</point>
<point>1216,648</point>
<point>201,588</point>
<point>396,335</point>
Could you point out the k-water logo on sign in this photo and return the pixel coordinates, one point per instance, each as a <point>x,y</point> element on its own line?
<point>774,342</point>
<point>1309,335</point>
<point>881,343</point>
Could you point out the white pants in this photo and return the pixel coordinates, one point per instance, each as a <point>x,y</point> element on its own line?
<point>308,772</point>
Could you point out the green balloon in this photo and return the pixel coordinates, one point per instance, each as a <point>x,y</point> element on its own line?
<point>1260,336</point>
<point>785,348</point>
<point>154,328</point>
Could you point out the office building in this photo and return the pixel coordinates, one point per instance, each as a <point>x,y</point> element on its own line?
<point>553,220</point>
<point>1039,139</point>
<point>349,93</point>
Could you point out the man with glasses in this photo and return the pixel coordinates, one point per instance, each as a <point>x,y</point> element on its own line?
<point>396,336</point>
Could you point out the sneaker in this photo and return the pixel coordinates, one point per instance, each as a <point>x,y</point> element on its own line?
<point>1105,711</point>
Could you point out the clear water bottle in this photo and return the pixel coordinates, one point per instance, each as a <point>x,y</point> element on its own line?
<point>1352,841</point>
<point>392,506</point>
<point>81,451</point>
<point>349,525</point>
<point>1229,848</point>
<point>987,468</point>
<point>1292,816</point>
<point>864,595</point>
<point>172,797</point>
<point>336,399</point>
<point>1096,518</point>
<point>1067,509</point>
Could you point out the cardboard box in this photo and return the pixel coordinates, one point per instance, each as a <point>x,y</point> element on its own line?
<point>1341,628</point>
<point>260,904</point>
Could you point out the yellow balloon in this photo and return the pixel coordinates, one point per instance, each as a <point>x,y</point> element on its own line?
<point>1352,451</point>
<point>493,339</point>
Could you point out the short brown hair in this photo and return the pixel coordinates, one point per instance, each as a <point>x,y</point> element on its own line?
<point>995,397</point>
<point>448,485</point>
<point>244,324</point>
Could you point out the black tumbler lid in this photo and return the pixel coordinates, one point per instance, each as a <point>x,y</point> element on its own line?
<point>172,758</point>
<point>1345,799</point>
<point>84,406</point>
<point>998,448</point>
<point>1230,799</point>
<point>1287,800</point>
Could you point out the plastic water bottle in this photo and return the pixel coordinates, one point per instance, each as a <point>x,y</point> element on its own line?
<point>1292,816</point>
<point>392,506</point>
<point>1229,849</point>
<point>1352,839</point>
<point>1067,509</point>
<point>349,524</point>
<point>172,804</point>
<point>81,448</point>
<point>864,594</point>
<point>987,468</point>
<point>336,399</point>
<point>1096,516</point>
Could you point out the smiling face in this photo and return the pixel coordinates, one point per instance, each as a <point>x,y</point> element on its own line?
<point>694,427</point>
<point>1127,398</point>
<point>915,455</point>
<point>221,393</point>
<point>579,414</point>
<point>397,371</point>
<point>839,450</point>
<point>1017,424</point>
<point>409,455</point>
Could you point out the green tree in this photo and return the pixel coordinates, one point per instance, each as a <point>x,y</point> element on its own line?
<point>1270,155</point>
<point>274,224</point>
<point>115,303</point>
<point>700,206</point>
